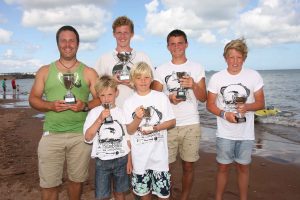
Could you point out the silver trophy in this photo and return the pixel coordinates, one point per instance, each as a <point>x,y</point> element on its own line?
<point>147,117</point>
<point>240,99</point>
<point>68,80</point>
<point>109,119</point>
<point>181,92</point>
<point>124,57</point>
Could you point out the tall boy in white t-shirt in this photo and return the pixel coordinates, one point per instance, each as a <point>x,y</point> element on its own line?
<point>148,115</point>
<point>184,94</point>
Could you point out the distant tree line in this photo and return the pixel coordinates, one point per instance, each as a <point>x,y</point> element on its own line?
<point>9,76</point>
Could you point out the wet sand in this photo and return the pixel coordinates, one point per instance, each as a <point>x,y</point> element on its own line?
<point>20,133</point>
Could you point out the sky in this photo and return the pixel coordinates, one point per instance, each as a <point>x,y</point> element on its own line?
<point>271,29</point>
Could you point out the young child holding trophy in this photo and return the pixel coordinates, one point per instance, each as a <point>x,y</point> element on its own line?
<point>104,127</point>
<point>148,123</point>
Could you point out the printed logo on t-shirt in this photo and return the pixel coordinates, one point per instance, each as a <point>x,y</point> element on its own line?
<point>110,138</point>
<point>230,93</point>
<point>124,61</point>
<point>173,84</point>
<point>154,119</point>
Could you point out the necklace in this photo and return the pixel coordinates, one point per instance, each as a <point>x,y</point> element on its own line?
<point>66,66</point>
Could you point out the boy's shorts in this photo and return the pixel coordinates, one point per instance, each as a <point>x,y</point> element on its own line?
<point>54,149</point>
<point>155,181</point>
<point>229,151</point>
<point>186,140</point>
<point>108,170</point>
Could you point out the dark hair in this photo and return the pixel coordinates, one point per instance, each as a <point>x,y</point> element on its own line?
<point>176,33</point>
<point>67,28</point>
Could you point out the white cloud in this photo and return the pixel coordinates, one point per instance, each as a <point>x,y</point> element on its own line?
<point>8,53</point>
<point>87,17</point>
<point>5,36</point>
<point>199,19</point>
<point>207,37</point>
<point>267,22</point>
<point>19,65</point>
<point>137,37</point>
<point>87,46</point>
<point>43,4</point>
<point>89,20</point>
<point>273,21</point>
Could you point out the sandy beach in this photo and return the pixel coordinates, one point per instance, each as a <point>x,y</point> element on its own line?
<point>20,133</point>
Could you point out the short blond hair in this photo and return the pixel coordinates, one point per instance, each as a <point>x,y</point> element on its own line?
<point>123,21</point>
<point>239,45</point>
<point>105,82</point>
<point>140,68</point>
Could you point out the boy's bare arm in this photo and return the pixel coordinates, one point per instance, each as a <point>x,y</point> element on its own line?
<point>133,126</point>
<point>165,125</point>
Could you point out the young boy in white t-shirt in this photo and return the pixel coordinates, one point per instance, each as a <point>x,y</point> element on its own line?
<point>104,127</point>
<point>148,115</point>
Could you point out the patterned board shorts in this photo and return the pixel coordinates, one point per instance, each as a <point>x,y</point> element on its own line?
<point>155,181</point>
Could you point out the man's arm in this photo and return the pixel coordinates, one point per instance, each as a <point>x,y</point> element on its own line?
<point>92,77</point>
<point>36,100</point>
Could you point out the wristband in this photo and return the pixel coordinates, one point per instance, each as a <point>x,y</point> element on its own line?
<point>222,114</point>
<point>86,107</point>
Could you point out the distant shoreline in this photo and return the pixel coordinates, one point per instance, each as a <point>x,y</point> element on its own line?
<point>10,76</point>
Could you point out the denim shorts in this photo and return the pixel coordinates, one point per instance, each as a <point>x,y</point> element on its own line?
<point>108,171</point>
<point>155,181</point>
<point>229,151</point>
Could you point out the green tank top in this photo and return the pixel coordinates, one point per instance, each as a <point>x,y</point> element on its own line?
<point>66,121</point>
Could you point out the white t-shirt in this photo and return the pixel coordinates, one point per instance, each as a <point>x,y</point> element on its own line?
<point>149,151</point>
<point>186,112</point>
<point>110,141</point>
<point>109,64</point>
<point>227,86</point>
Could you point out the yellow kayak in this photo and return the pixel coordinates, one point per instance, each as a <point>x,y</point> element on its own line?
<point>269,111</point>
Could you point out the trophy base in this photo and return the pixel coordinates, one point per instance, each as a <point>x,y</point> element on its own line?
<point>70,100</point>
<point>124,78</point>
<point>108,120</point>
<point>240,119</point>
<point>181,96</point>
<point>147,128</point>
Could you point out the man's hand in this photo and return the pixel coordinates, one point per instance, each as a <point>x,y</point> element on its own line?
<point>59,106</point>
<point>78,106</point>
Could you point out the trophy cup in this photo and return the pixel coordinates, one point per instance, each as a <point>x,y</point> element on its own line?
<point>109,119</point>
<point>181,92</point>
<point>124,57</point>
<point>240,99</point>
<point>147,117</point>
<point>68,80</point>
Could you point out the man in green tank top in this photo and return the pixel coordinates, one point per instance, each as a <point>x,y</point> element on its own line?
<point>62,138</point>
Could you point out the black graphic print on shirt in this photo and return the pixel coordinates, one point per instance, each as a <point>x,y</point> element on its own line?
<point>230,93</point>
<point>121,64</point>
<point>173,84</point>
<point>154,119</point>
<point>110,137</point>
